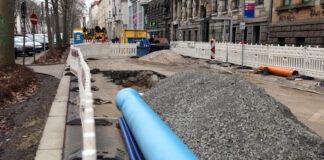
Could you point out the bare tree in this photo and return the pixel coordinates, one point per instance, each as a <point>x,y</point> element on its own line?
<point>32,7</point>
<point>7,23</point>
<point>49,31</point>
<point>77,10</point>
<point>57,24</point>
<point>65,6</point>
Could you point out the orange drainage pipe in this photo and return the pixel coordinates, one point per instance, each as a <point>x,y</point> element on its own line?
<point>280,71</point>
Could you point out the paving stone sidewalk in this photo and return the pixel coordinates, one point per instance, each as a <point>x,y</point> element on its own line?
<point>53,70</point>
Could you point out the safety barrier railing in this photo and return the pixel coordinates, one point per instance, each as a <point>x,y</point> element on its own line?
<point>81,70</point>
<point>308,61</point>
<point>108,49</point>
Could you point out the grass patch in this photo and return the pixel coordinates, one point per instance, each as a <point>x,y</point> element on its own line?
<point>30,141</point>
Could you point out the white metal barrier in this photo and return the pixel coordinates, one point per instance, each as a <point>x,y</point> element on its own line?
<point>80,69</point>
<point>107,50</point>
<point>308,61</point>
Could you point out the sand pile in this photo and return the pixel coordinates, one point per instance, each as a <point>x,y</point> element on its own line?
<point>167,57</point>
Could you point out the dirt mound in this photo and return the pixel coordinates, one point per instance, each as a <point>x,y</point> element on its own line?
<point>228,117</point>
<point>167,57</point>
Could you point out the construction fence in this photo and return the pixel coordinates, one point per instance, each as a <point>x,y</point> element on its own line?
<point>78,66</point>
<point>107,49</point>
<point>308,61</point>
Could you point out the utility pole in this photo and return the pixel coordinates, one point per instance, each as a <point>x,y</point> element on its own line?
<point>53,29</point>
<point>23,15</point>
<point>43,27</point>
<point>243,29</point>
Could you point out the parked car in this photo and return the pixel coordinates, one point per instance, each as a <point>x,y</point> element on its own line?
<point>19,44</point>
<point>39,39</point>
<point>29,41</point>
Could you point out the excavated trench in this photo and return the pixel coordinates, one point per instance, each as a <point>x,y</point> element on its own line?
<point>141,80</point>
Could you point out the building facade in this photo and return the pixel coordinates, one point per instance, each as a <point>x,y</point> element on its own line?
<point>110,14</point>
<point>101,15</point>
<point>93,14</point>
<point>136,15</point>
<point>159,18</point>
<point>201,20</point>
<point>297,22</point>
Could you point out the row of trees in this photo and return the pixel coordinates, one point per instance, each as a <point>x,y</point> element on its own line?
<point>67,12</point>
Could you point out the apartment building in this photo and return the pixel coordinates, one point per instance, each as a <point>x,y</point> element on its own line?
<point>297,22</point>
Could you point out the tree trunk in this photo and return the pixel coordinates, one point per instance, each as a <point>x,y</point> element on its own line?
<point>49,31</point>
<point>57,25</point>
<point>65,23</point>
<point>7,23</point>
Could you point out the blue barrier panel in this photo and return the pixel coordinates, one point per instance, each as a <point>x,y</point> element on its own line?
<point>154,138</point>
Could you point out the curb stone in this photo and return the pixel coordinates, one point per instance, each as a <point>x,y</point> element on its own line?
<point>52,141</point>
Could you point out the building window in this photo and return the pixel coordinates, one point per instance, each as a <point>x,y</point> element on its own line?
<point>237,4</point>
<point>184,36</point>
<point>233,35</point>
<point>300,41</point>
<point>281,41</point>
<point>260,2</point>
<point>286,2</point>
<point>226,5</point>
<point>306,1</point>
<point>216,6</point>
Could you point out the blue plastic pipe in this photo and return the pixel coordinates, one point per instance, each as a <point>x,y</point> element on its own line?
<point>130,138</point>
<point>128,144</point>
<point>154,138</point>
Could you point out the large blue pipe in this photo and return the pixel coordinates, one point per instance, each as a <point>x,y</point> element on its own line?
<point>154,138</point>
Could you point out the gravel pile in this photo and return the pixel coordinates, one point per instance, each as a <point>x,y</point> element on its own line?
<point>167,57</point>
<point>228,117</point>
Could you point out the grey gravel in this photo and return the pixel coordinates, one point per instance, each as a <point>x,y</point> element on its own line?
<point>228,117</point>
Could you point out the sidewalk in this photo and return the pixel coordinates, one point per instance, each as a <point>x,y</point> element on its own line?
<point>53,70</point>
<point>29,60</point>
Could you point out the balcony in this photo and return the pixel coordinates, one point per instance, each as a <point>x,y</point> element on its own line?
<point>145,2</point>
<point>295,7</point>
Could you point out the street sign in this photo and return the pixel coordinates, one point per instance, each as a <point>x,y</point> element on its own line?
<point>242,25</point>
<point>249,8</point>
<point>42,5</point>
<point>33,19</point>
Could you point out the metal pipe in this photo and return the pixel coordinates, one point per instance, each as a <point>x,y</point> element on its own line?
<point>128,145</point>
<point>231,30</point>
<point>154,138</point>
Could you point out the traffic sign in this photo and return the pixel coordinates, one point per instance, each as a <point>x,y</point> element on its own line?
<point>33,19</point>
<point>242,25</point>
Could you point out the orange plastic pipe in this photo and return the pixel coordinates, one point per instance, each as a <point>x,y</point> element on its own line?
<point>280,71</point>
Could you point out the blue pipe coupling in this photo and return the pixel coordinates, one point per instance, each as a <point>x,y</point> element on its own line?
<point>154,138</point>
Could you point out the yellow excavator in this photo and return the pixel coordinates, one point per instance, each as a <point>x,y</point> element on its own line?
<point>93,33</point>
